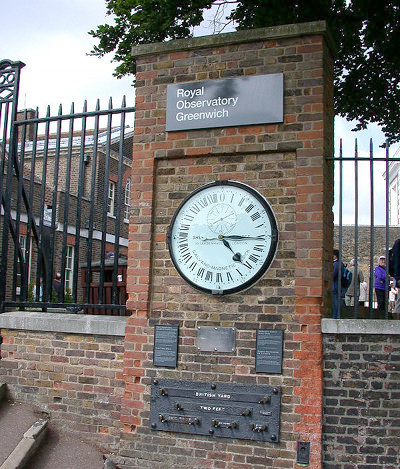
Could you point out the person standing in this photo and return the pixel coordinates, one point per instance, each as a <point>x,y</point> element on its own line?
<point>363,293</point>
<point>57,286</point>
<point>337,290</point>
<point>392,295</point>
<point>351,291</point>
<point>380,283</point>
<point>396,309</point>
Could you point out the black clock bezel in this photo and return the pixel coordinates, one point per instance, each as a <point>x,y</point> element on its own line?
<point>272,251</point>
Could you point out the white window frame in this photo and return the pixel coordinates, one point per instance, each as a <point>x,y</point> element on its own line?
<point>111,199</point>
<point>127,200</point>
<point>22,244</point>
<point>69,267</point>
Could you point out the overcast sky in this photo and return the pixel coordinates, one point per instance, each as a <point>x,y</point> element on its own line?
<point>51,38</point>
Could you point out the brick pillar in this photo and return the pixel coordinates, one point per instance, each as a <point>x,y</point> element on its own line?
<point>286,163</point>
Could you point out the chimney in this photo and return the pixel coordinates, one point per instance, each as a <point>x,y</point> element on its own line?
<point>26,114</point>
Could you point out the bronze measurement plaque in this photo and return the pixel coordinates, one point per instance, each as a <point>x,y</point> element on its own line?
<point>224,410</point>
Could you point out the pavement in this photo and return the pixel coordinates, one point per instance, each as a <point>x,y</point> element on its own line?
<point>29,441</point>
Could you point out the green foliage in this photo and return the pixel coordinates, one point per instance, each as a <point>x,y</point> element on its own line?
<point>30,296</point>
<point>54,297</point>
<point>144,21</point>
<point>366,32</point>
<point>68,296</point>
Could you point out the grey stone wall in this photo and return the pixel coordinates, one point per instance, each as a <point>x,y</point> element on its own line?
<point>361,395</point>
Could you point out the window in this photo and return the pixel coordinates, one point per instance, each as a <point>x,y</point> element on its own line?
<point>127,199</point>
<point>394,204</point>
<point>48,215</point>
<point>69,268</point>
<point>111,198</point>
<point>22,244</point>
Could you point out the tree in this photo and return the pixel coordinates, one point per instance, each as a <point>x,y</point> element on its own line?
<point>366,32</point>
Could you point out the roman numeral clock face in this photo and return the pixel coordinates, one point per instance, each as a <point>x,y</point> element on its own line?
<point>223,237</point>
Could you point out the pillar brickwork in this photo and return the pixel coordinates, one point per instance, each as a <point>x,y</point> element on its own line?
<point>286,163</point>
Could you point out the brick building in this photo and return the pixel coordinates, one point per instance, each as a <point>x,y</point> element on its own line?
<point>65,178</point>
<point>393,176</point>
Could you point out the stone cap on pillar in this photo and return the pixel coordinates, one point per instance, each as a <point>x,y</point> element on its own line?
<point>251,35</point>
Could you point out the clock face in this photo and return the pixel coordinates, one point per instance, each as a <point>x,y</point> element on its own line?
<point>223,237</point>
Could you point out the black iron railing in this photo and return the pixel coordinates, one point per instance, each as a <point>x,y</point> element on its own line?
<point>366,226</point>
<point>65,198</point>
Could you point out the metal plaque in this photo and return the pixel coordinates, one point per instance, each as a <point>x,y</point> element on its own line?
<point>269,350</point>
<point>222,410</point>
<point>165,346</point>
<point>225,103</point>
<point>216,339</point>
<point>303,452</point>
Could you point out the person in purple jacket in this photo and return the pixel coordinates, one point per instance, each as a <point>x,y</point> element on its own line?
<point>337,285</point>
<point>380,283</point>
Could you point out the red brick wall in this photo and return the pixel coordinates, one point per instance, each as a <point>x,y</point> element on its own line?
<point>285,162</point>
<point>77,379</point>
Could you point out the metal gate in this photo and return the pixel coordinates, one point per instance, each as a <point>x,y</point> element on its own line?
<point>367,224</point>
<point>65,183</point>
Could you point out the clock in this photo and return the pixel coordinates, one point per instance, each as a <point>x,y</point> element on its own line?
<point>223,237</point>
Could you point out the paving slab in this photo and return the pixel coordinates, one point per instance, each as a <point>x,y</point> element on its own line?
<point>57,450</point>
<point>15,419</point>
<point>63,451</point>
<point>27,447</point>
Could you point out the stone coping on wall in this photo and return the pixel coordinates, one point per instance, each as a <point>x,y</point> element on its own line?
<point>224,39</point>
<point>360,326</point>
<point>61,322</point>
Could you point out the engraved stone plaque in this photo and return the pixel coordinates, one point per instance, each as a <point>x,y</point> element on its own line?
<point>216,339</point>
<point>269,350</point>
<point>165,346</point>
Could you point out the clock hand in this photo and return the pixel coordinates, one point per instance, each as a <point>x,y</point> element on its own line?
<point>235,237</point>
<point>239,238</point>
<point>236,255</point>
<point>222,218</point>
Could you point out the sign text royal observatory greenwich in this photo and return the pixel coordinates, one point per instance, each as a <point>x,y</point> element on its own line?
<point>225,103</point>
